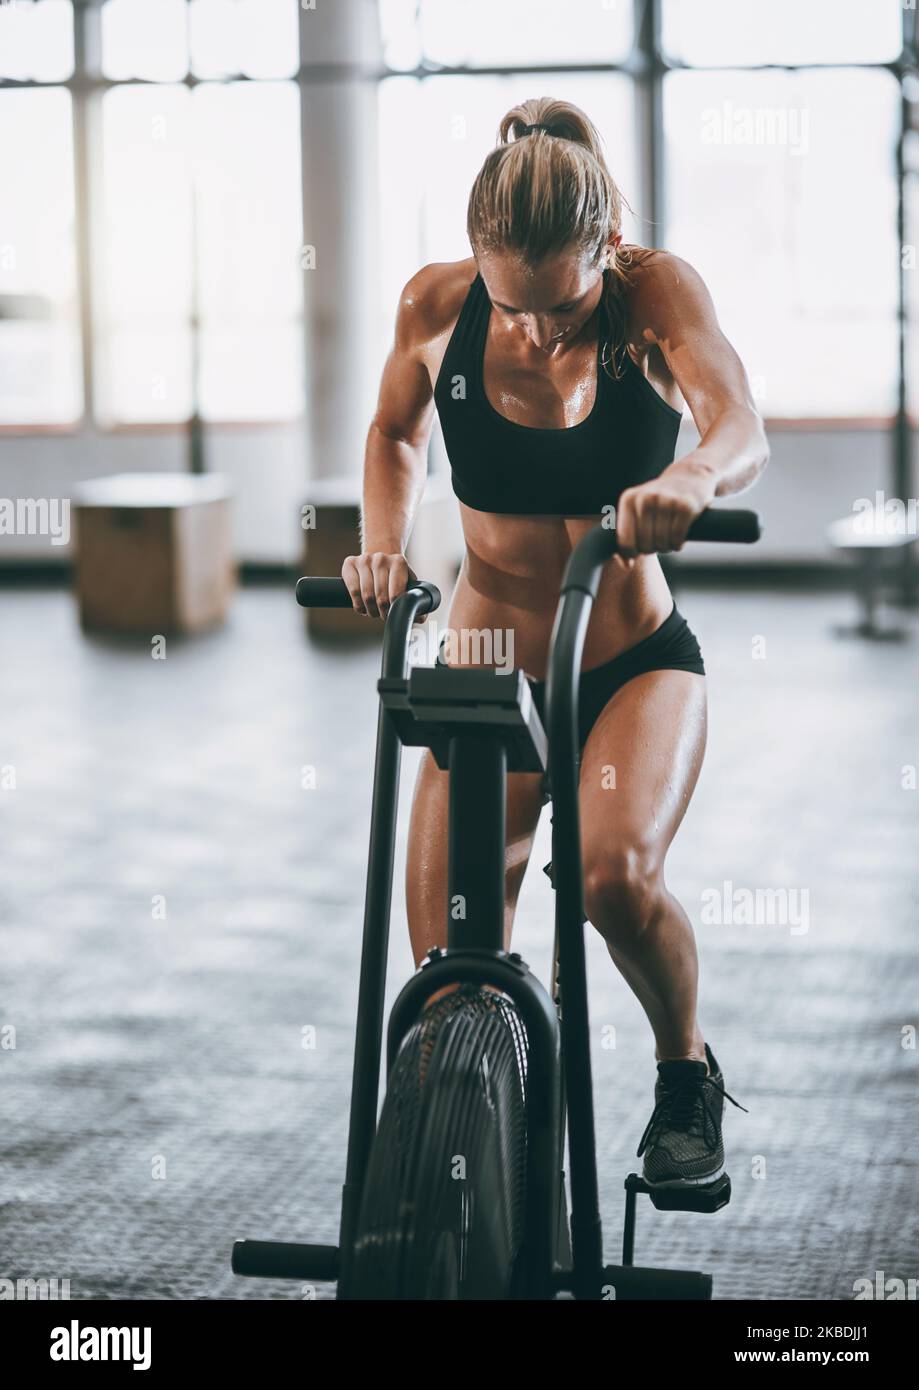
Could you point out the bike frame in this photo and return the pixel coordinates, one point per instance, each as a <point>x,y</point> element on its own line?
<point>478,760</point>
<point>475,954</point>
<point>558,1033</point>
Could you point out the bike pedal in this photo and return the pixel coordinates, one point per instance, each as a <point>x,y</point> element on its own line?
<point>712,1197</point>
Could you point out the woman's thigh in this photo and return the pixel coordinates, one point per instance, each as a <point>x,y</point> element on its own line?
<point>426,867</point>
<point>639,768</point>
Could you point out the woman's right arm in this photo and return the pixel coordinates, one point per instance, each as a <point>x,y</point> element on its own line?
<point>395,463</point>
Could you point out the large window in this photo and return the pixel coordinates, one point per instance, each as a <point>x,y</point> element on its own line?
<point>781,191</point>
<point>771,167</point>
<point>192,212</point>
<point>40,376</point>
<point>910,254</point>
<point>151,209</point>
<point>200,199</point>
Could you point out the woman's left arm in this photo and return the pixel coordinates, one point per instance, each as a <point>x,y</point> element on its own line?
<point>674,311</point>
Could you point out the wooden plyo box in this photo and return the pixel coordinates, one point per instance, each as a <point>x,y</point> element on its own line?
<point>154,552</point>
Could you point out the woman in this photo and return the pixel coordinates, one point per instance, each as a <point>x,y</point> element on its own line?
<point>557,358</point>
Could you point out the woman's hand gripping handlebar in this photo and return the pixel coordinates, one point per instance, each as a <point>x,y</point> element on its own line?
<point>419,598</point>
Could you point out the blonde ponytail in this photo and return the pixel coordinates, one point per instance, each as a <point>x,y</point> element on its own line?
<point>546,188</point>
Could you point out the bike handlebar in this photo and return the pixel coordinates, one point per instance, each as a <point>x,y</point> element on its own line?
<point>733,524</point>
<point>737,525</point>
<point>730,524</point>
<point>419,597</point>
<point>322,591</point>
<point>725,524</point>
<point>315,592</point>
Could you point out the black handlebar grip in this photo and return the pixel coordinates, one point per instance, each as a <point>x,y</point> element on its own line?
<point>332,592</point>
<point>734,524</point>
<point>323,593</point>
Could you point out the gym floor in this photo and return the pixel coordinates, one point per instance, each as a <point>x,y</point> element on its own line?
<point>182,971</point>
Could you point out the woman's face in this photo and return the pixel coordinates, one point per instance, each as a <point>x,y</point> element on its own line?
<point>550,301</point>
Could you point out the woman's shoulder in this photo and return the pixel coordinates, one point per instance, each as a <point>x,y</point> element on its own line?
<point>661,290</point>
<point>431,300</point>
<point>649,267</point>
<point>652,272</point>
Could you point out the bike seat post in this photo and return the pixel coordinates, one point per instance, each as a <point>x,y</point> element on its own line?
<point>476,841</point>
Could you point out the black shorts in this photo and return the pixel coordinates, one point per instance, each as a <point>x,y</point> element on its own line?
<point>672,647</point>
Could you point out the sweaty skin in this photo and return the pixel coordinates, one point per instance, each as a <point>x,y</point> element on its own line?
<point>513,565</point>
<point>540,371</point>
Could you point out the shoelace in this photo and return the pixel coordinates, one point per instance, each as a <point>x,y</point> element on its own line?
<point>677,1109</point>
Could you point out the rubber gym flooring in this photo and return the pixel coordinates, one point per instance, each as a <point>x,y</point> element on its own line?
<point>181,921</point>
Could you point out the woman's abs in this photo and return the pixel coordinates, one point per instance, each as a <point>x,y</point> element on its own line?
<point>505,599</point>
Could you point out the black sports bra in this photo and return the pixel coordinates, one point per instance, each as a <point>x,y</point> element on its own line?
<point>498,465</point>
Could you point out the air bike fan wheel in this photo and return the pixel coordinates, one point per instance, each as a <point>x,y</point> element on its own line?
<point>443,1210</point>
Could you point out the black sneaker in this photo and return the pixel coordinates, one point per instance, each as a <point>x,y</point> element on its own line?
<point>682,1143</point>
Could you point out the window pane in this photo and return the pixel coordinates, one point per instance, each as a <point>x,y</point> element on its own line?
<point>722,32</point>
<point>36,41</point>
<point>146,39</point>
<point>145,250</point>
<point>911,261</point>
<point>40,376</point>
<point>249,215</point>
<point>145,372</point>
<point>222,167</point>
<point>251,370</point>
<point>910,250</point>
<point>399,30</point>
<point>434,135</point>
<point>481,33</point>
<point>252,38</point>
<point>756,161</point>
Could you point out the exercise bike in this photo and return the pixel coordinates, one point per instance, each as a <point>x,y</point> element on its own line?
<point>459,1191</point>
